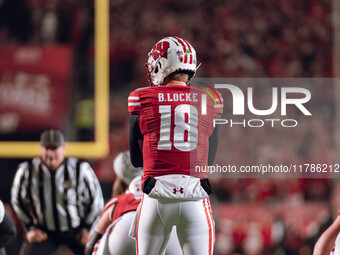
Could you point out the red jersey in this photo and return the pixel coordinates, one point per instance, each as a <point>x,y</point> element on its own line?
<point>176,122</point>
<point>123,203</point>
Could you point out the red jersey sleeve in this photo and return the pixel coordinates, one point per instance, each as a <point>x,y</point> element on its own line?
<point>126,203</point>
<point>111,202</point>
<point>134,103</point>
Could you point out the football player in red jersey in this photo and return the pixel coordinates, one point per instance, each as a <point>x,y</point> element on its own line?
<point>172,136</point>
<point>115,222</point>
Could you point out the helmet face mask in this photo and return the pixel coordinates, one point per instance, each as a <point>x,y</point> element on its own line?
<point>169,55</point>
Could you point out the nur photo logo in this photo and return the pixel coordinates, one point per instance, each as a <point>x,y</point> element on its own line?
<point>243,104</point>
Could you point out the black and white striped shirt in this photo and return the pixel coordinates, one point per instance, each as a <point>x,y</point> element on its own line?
<point>62,200</point>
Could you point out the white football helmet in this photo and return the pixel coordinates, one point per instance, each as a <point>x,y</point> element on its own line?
<point>135,185</point>
<point>169,55</point>
<point>124,169</point>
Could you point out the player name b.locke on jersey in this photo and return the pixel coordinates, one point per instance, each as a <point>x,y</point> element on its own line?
<point>175,97</point>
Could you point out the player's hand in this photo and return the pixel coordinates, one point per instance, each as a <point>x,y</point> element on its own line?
<point>83,237</point>
<point>92,242</point>
<point>36,236</point>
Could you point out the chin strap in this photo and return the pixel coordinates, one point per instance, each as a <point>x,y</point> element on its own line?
<point>194,73</point>
<point>198,66</point>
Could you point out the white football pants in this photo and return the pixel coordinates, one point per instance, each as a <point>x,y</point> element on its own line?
<point>195,226</point>
<point>116,241</point>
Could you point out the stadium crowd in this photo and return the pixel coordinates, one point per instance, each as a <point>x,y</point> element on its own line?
<point>259,39</point>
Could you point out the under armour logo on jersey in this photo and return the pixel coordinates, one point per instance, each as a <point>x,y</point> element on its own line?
<point>180,190</point>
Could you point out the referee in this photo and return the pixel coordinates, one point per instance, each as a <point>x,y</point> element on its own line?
<point>56,198</point>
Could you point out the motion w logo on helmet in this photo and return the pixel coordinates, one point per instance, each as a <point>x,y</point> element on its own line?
<point>160,50</point>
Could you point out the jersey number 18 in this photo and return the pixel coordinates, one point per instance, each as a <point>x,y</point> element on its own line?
<point>185,132</point>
